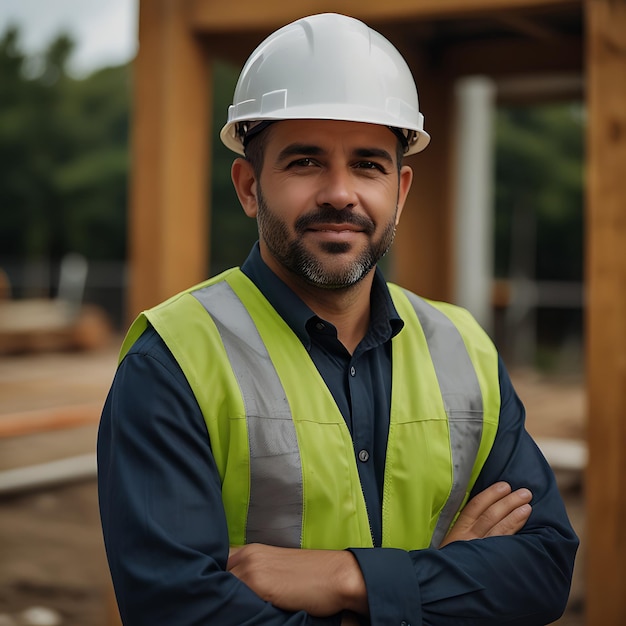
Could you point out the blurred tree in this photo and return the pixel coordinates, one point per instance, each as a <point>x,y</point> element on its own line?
<point>539,227</point>
<point>539,190</point>
<point>63,155</point>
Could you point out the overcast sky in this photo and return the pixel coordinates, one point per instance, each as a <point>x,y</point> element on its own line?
<point>105,31</point>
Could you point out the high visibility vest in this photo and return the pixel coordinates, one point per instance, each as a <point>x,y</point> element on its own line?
<point>284,453</point>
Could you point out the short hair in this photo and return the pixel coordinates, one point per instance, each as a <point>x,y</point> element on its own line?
<point>255,150</point>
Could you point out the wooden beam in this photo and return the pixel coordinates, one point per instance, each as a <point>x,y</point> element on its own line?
<point>605,549</point>
<point>168,220</point>
<point>422,251</point>
<point>527,26</point>
<point>216,15</point>
<point>535,89</point>
<point>509,56</point>
<point>43,420</point>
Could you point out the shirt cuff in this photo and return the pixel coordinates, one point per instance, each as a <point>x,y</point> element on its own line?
<point>393,592</point>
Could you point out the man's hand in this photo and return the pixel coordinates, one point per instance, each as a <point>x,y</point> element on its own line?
<point>496,511</point>
<point>320,582</point>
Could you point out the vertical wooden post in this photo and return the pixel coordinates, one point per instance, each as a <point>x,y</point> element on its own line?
<point>605,549</point>
<point>422,252</point>
<point>168,196</point>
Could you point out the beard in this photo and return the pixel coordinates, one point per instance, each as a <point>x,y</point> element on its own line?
<point>295,257</point>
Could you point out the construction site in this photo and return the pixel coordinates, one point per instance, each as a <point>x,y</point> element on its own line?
<point>59,348</point>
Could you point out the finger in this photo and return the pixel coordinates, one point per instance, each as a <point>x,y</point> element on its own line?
<point>504,515</point>
<point>512,523</point>
<point>481,502</point>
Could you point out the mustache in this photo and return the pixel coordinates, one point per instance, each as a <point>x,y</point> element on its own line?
<point>328,215</point>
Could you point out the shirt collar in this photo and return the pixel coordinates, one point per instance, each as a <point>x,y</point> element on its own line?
<point>385,321</point>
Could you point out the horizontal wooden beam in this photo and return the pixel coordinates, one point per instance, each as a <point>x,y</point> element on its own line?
<point>46,475</point>
<point>44,420</point>
<point>503,56</point>
<point>216,15</point>
<point>534,89</point>
<point>513,56</point>
<point>528,27</point>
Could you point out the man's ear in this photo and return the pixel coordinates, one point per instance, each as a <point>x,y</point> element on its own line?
<point>245,183</point>
<point>406,178</point>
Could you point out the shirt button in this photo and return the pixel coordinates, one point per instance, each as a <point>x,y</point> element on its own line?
<point>352,371</point>
<point>364,455</point>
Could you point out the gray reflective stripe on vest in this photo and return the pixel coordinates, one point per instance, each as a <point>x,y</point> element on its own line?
<point>462,400</point>
<point>276,495</point>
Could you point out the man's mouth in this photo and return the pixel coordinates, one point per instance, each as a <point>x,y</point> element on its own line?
<point>335,222</point>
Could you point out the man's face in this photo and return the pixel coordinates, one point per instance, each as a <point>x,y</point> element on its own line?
<point>328,200</point>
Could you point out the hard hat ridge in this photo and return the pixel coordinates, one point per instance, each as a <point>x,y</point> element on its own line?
<point>326,66</point>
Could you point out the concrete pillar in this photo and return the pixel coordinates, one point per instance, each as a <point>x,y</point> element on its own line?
<point>475,96</point>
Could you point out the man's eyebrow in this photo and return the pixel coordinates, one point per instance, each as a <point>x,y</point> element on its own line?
<point>368,153</point>
<point>305,149</point>
<point>299,149</point>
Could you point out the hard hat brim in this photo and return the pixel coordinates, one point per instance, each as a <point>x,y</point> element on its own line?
<point>231,140</point>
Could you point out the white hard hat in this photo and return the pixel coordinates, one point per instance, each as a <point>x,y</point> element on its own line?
<point>326,66</point>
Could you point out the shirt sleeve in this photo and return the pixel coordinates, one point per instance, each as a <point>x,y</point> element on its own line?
<point>523,579</point>
<point>160,503</point>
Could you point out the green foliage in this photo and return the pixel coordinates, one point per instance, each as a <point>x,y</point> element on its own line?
<point>63,155</point>
<point>64,163</point>
<point>232,232</point>
<point>539,181</point>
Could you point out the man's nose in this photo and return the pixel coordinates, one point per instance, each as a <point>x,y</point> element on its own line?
<point>337,189</point>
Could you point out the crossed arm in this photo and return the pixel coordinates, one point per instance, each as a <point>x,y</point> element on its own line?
<point>167,539</point>
<point>326,582</point>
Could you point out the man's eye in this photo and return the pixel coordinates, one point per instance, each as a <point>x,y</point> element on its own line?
<point>304,162</point>
<point>370,165</point>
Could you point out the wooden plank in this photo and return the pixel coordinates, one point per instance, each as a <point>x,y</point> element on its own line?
<point>606,313</point>
<point>46,475</point>
<point>422,251</point>
<point>216,16</point>
<point>506,56</point>
<point>168,221</point>
<point>528,27</point>
<point>45,420</point>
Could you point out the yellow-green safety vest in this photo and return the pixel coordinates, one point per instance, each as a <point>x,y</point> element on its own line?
<point>283,450</point>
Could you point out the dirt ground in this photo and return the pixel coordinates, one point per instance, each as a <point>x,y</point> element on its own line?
<point>52,564</point>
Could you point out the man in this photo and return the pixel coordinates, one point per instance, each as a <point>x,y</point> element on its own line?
<point>297,442</point>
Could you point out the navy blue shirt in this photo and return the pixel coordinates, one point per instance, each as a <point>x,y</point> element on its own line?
<point>165,528</point>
